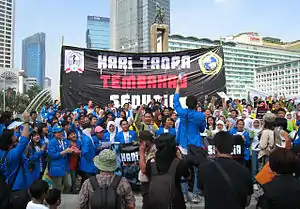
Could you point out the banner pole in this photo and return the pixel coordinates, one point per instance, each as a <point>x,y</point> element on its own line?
<point>62,43</point>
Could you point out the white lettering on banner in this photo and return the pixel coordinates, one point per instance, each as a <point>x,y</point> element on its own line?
<point>137,100</point>
<point>237,150</point>
<point>130,157</point>
<point>155,63</point>
<point>125,63</point>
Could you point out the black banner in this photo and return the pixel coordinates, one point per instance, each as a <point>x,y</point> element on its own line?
<point>102,76</point>
<point>237,152</point>
<point>129,153</point>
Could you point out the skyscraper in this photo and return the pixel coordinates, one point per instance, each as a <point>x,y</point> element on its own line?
<point>6,33</point>
<point>98,33</point>
<point>34,57</point>
<point>131,21</point>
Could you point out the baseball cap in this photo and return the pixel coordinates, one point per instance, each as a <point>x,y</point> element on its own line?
<point>98,129</point>
<point>14,125</point>
<point>57,129</point>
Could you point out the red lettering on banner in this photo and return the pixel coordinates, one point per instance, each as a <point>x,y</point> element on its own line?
<point>105,79</point>
<point>184,82</point>
<point>161,81</point>
<point>128,82</point>
<point>151,82</point>
<point>115,81</point>
<point>141,82</point>
<point>172,81</point>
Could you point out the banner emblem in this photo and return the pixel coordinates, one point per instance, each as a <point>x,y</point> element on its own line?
<point>210,63</point>
<point>74,61</point>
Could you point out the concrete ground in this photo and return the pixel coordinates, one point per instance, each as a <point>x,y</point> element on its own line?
<point>70,201</point>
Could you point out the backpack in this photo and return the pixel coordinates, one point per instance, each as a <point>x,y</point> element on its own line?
<point>162,186</point>
<point>105,197</point>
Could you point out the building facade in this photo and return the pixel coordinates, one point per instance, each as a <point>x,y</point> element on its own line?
<point>11,78</point>
<point>242,54</point>
<point>282,79</point>
<point>29,82</point>
<point>7,33</point>
<point>34,57</point>
<point>98,33</point>
<point>48,82</point>
<point>131,21</point>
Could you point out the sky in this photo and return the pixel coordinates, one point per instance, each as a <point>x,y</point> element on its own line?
<point>200,18</point>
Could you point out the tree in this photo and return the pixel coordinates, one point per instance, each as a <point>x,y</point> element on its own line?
<point>33,91</point>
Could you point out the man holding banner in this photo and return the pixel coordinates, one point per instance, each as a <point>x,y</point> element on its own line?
<point>191,124</point>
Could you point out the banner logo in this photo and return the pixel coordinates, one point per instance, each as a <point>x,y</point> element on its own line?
<point>74,61</point>
<point>210,63</point>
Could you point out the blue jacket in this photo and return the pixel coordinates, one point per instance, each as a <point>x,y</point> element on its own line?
<point>39,161</point>
<point>247,142</point>
<point>88,153</point>
<point>14,158</point>
<point>106,137</point>
<point>58,165</point>
<point>196,124</point>
<point>161,130</point>
<point>120,137</point>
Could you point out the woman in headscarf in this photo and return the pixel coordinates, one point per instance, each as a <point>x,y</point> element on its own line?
<point>109,136</point>
<point>220,126</point>
<point>255,135</point>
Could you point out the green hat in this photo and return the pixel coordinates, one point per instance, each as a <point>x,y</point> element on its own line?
<point>106,161</point>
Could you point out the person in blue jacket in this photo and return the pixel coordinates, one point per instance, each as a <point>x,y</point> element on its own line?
<point>192,123</point>
<point>166,127</point>
<point>88,152</point>
<point>58,150</point>
<point>36,154</point>
<point>239,130</point>
<point>14,163</point>
<point>126,136</point>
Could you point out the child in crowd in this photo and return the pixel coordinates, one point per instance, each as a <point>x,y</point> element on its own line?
<point>53,198</point>
<point>38,190</point>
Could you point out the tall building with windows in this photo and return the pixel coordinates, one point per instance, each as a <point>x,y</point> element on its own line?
<point>131,21</point>
<point>34,57</point>
<point>243,53</point>
<point>98,33</point>
<point>6,33</point>
<point>282,79</point>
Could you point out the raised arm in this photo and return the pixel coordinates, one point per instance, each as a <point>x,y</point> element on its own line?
<point>177,105</point>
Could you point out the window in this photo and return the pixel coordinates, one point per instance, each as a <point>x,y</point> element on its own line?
<point>7,66</point>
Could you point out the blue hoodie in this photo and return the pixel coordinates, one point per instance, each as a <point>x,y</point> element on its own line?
<point>196,124</point>
<point>88,153</point>
<point>58,165</point>
<point>14,158</point>
<point>247,142</point>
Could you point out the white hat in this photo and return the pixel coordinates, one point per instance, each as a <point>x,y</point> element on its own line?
<point>14,125</point>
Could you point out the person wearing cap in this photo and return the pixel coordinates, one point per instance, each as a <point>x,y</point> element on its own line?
<point>106,162</point>
<point>58,151</point>
<point>267,140</point>
<point>98,137</point>
<point>15,126</point>
<point>88,152</point>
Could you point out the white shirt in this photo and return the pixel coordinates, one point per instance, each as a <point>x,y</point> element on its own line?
<point>126,137</point>
<point>32,205</point>
<point>166,130</point>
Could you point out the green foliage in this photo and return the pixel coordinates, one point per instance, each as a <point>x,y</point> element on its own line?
<point>15,101</point>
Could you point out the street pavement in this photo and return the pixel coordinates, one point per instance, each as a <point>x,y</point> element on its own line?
<point>70,201</point>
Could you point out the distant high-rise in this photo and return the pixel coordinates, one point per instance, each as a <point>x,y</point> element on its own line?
<point>34,57</point>
<point>130,22</point>
<point>98,33</point>
<point>48,82</point>
<point>6,33</point>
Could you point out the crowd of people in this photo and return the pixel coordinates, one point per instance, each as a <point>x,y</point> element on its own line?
<point>78,152</point>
